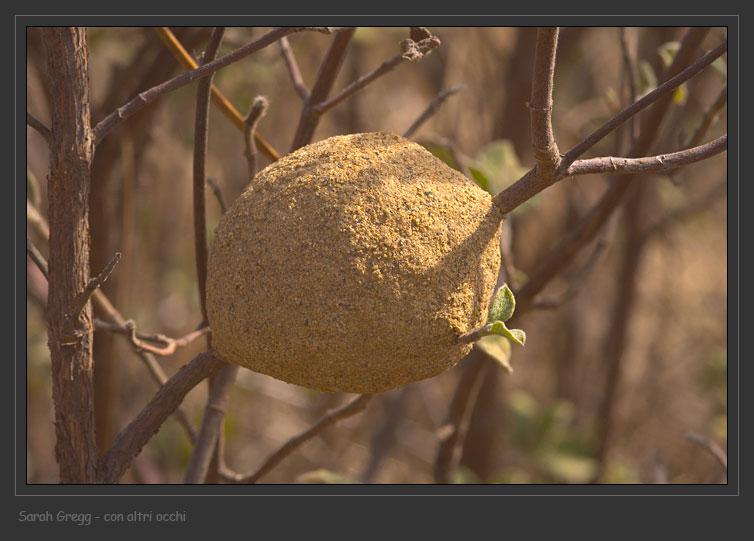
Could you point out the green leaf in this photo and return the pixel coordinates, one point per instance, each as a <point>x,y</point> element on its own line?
<point>680,94</point>
<point>498,348</point>
<point>517,335</point>
<point>502,306</point>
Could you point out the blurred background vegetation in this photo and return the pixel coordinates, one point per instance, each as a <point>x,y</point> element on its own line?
<point>559,417</point>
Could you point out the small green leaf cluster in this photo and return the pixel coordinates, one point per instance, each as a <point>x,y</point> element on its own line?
<point>496,335</point>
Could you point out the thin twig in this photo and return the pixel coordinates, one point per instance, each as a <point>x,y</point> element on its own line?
<point>148,96</point>
<point>712,447</point>
<point>663,162</point>
<point>352,408</point>
<point>132,439</point>
<point>209,433</point>
<point>217,191</point>
<point>709,117</point>
<point>531,183</point>
<point>544,147</point>
<point>182,55</point>
<point>256,112</point>
<point>411,51</point>
<point>432,108</point>
<point>292,67</point>
<point>139,340</point>
<point>92,285</point>
<point>36,256</point>
<point>43,130</point>
<point>576,283</point>
<point>328,71</point>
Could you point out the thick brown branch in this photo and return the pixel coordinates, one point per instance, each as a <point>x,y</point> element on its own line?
<point>352,408</point>
<point>220,100</point>
<point>544,146</point>
<point>132,439</point>
<point>663,162</point>
<point>70,339</point>
<point>155,92</point>
<point>293,69</point>
<point>432,108</point>
<point>43,130</point>
<point>411,52</point>
<point>328,71</point>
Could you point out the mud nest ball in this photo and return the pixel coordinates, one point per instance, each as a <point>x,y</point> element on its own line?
<point>353,265</point>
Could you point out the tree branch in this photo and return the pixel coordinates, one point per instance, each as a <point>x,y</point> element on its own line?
<point>201,137</point>
<point>209,433</point>
<point>169,345</point>
<point>218,193</point>
<point>103,304</point>
<point>132,439</point>
<point>328,71</point>
<point>155,92</point>
<point>663,162</point>
<point>410,52</point>
<point>70,338</point>
<point>712,447</point>
<point>93,285</point>
<point>531,184</point>
<point>432,108</point>
<point>43,130</point>
<point>709,117</point>
<point>352,408</point>
<point>292,67</point>
<point>257,111</point>
<point>545,148</point>
<point>220,100</point>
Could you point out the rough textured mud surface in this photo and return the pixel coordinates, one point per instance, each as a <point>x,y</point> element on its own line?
<point>353,265</point>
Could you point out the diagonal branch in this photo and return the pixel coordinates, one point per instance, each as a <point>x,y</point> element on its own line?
<point>148,96</point>
<point>132,439</point>
<point>352,408</point>
<point>257,111</point>
<point>432,108</point>
<point>43,130</point>
<point>712,447</point>
<point>220,100</point>
<point>92,285</point>
<point>410,52</point>
<point>328,71</point>
<point>545,148</point>
<point>293,69</point>
<point>663,162</point>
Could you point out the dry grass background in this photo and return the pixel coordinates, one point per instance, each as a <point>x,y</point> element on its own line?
<point>535,425</point>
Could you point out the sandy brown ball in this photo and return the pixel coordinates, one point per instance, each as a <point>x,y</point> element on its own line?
<point>353,265</point>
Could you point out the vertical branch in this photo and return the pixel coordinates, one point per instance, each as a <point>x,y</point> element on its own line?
<point>257,111</point>
<point>544,146</point>
<point>70,338</point>
<point>200,156</point>
<point>328,71</point>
